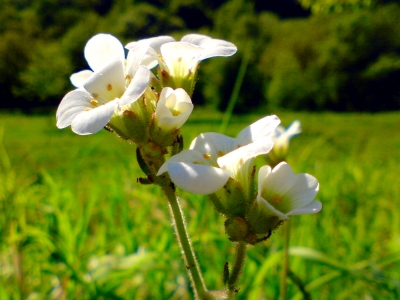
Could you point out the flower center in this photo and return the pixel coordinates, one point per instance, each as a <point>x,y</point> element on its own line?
<point>176,112</point>
<point>276,199</point>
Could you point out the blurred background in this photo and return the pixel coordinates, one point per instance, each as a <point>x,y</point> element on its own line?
<point>340,55</point>
<point>74,222</point>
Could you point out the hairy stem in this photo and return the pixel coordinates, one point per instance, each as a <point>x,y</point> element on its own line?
<point>240,256</point>
<point>183,239</point>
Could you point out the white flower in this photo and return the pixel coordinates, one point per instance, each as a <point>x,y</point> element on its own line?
<point>213,158</point>
<point>179,60</point>
<point>99,51</point>
<point>206,46</point>
<point>173,109</point>
<point>103,48</point>
<point>107,90</point>
<point>281,194</point>
<point>282,136</point>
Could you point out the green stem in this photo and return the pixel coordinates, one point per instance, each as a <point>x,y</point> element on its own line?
<point>240,256</point>
<point>183,239</point>
<point>236,88</point>
<point>285,263</point>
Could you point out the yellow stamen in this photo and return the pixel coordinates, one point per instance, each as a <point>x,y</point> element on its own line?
<point>128,79</point>
<point>95,95</point>
<point>109,87</point>
<point>176,113</point>
<point>94,102</point>
<point>207,155</point>
<point>161,58</point>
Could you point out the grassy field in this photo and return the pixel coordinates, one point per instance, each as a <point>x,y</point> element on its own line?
<point>75,224</point>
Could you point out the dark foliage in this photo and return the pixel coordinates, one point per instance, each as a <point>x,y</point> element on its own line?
<point>348,61</point>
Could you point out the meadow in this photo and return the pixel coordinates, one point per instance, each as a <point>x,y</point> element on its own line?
<point>75,224</point>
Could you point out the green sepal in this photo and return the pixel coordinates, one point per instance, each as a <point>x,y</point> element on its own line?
<point>163,137</point>
<point>261,219</point>
<point>142,164</point>
<point>135,128</point>
<point>237,229</point>
<point>177,147</point>
<point>231,200</point>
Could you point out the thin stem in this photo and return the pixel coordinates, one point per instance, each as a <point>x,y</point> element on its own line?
<point>236,88</point>
<point>240,256</point>
<point>183,239</point>
<point>285,263</point>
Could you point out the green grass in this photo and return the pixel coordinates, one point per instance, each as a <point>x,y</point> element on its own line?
<point>75,224</point>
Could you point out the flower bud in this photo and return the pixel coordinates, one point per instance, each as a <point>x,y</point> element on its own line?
<point>173,109</point>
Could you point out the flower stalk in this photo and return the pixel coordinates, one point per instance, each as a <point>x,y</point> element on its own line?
<point>144,97</point>
<point>240,256</point>
<point>285,262</point>
<point>182,234</point>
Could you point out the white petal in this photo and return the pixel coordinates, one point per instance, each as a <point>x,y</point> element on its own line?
<point>170,122</point>
<point>212,47</point>
<point>196,39</point>
<point>288,192</point>
<point>214,144</point>
<point>166,92</point>
<point>261,128</point>
<point>268,210</point>
<point>187,156</point>
<point>312,208</point>
<point>261,146</point>
<point>73,103</point>
<point>182,96</point>
<point>180,57</point>
<point>150,61</point>
<point>79,78</point>
<point>216,48</point>
<point>303,191</point>
<point>282,136</point>
<point>198,179</point>
<point>137,86</point>
<point>177,101</point>
<point>108,82</point>
<point>294,128</point>
<point>154,42</point>
<point>92,121</point>
<point>279,181</point>
<point>262,174</point>
<point>278,131</point>
<point>102,48</point>
<point>135,59</point>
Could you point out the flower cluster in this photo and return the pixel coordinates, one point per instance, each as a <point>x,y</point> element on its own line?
<point>122,94</point>
<point>144,97</point>
<point>223,168</point>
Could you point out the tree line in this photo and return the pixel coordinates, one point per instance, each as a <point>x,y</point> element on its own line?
<point>339,55</point>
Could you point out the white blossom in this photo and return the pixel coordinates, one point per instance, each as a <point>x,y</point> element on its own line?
<point>173,109</point>
<point>281,193</point>
<point>178,60</point>
<point>105,91</point>
<point>213,158</point>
